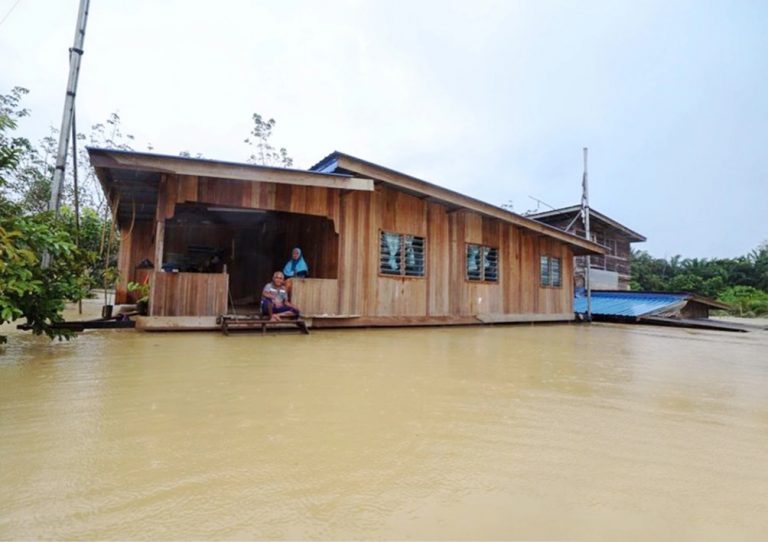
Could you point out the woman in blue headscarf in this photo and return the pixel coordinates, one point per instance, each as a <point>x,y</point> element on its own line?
<point>296,266</point>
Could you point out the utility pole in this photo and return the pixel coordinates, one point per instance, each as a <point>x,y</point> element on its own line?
<point>75,55</point>
<point>585,211</point>
<point>77,195</point>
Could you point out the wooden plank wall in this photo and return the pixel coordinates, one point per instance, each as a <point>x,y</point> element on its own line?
<point>444,291</point>
<point>438,260</point>
<point>135,245</point>
<point>354,251</point>
<point>398,212</point>
<point>316,297</point>
<point>188,294</point>
<point>358,218</point>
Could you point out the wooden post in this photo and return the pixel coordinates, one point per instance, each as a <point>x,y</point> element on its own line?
<point>159,244</point>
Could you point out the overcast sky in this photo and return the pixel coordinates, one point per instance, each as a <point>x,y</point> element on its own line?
<point>492,99</point>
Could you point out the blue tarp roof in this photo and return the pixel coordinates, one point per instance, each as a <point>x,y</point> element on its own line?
<point>626,303</point>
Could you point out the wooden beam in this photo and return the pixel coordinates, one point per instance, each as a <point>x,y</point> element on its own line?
<point>201,323</point>
<point>177,323</point>
<point>105,158</point>
<point>159,243</point>
<point>522,318</point>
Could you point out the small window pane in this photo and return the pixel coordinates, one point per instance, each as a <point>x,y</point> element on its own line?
<point>491,262</point>
<point>389,253</point>
<point>474,262</point>
<point>544,271</point>
<point>401,255</point>
<point>414,255</point>
<point>554,270</point>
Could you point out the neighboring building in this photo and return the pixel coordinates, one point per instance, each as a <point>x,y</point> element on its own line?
<point>608,272</point>
<point>639,306</point>
<point>384,248</point>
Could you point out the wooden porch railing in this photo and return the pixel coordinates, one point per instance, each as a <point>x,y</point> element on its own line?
<point>188,294</point>
<point>316,297</point>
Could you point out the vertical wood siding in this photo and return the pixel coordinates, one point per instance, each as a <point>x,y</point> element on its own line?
<point>358,217</point>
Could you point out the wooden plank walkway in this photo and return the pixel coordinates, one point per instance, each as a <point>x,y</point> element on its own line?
<point>231,322</point>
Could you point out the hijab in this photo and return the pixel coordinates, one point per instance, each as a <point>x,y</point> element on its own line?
<point>295,266</point>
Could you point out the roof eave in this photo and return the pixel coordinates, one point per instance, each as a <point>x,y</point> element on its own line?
<point>179,165</point>
<point>634,237</point>
<point>401,180</point>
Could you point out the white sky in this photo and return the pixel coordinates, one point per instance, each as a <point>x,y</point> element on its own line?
<point>493,99</point>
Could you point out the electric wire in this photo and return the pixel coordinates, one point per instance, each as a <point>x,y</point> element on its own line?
<point>8,13</point>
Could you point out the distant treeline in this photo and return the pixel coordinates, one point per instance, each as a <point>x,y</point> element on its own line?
<point>741,282</point>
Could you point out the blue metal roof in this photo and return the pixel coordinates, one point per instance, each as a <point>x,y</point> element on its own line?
<point>627,303</point>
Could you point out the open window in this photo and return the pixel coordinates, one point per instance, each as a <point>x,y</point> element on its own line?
<point>482,263</point>
<point>401,255</point>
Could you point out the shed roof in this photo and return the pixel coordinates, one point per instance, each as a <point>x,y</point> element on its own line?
<point>569,212</point>
<point>634,304</point>
<point>339,162</point>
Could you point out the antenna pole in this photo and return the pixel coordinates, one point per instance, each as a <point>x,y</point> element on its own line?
<point>75,55</point>
<point>585,210</point>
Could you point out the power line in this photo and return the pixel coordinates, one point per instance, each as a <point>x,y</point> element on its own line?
<point>8,14</point>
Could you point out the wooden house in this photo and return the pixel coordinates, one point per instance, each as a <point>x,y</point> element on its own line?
<point>384,248</point>
<point>610,271</point>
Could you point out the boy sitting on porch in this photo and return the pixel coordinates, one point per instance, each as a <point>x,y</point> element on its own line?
<point>274,299</point>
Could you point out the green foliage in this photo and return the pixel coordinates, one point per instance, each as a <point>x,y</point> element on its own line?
<point>26,232</point>
<point>12,148</point>
<point>92,238</point>
<point>266,154</point>
<point>741,281</point>
<point>141,288</point>
<point>26,289</point>
<point>746,300</point>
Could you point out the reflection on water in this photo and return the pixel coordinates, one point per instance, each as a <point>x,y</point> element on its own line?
<point>444,433</point>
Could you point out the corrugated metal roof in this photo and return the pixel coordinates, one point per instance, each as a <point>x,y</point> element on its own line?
<point>628,303</point>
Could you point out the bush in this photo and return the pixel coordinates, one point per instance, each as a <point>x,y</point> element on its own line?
<point>26,289</point>
<point>746,300</point>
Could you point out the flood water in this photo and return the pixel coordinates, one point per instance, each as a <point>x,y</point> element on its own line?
<point>546,432</point>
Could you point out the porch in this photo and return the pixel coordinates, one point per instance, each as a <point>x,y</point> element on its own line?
<point>206,295</point>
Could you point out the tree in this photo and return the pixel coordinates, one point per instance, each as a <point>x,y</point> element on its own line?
<point>26,289</point>
<point>266,154</point>
<point>742,281</point>
<point>12,148</point>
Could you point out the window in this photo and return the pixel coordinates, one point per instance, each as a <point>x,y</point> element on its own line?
<point>401,255</point>
<point>482,263</point>
<point>549,271</point>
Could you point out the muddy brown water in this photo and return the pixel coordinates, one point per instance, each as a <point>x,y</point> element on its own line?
<point>546,432</point>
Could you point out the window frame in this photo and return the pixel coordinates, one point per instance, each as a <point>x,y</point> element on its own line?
<point>401,274</point>
<point>482,279</point>
<point>550,282</point>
